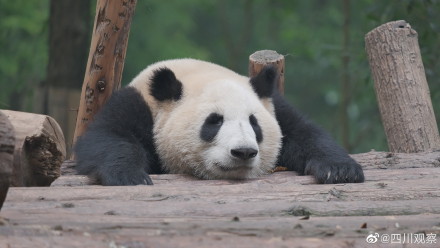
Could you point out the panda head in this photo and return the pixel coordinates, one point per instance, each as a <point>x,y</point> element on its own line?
<point>217,127</point>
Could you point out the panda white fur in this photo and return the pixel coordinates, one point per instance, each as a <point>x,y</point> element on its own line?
<point>194,117</point>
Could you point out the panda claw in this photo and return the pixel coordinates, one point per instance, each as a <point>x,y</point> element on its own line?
<point>335,172</point>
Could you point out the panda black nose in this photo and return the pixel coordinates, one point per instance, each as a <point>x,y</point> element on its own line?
<point>244,153</point>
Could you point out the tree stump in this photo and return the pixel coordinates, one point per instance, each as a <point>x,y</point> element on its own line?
<point>401,88</point>
<point>106,58</point>
<point>7,144</point>
<point>261,58</point>
<point>40,149</point>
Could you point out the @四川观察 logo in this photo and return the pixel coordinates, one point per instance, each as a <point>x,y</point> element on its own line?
<point>372,238</point>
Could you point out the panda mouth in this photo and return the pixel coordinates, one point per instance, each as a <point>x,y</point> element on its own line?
<point>235,167</point>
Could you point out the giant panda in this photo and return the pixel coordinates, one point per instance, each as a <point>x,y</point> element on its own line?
<point>198,118</point>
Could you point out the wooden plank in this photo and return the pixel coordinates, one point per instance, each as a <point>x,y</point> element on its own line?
<point>179,211</point>
<point>277,178</point>
<point>368,161</point>
<point>399,191</point>
<point>139,231</point>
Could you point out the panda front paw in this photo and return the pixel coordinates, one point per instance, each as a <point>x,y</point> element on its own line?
<point>328,172</point>
<point>125,178</point>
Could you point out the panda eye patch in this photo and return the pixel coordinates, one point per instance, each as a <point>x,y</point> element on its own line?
<point>211,127</point>
<point>257,129</point>
<point>214,119</point>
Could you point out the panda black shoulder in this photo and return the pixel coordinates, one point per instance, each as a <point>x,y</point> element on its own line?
<point>121,134</point>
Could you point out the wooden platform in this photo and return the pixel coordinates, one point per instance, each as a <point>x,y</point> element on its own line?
<point>278,210</point>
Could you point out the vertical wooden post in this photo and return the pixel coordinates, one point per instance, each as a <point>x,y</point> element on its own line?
<point>106,58</point>
<point>401,88</point>
<point>261,58</point>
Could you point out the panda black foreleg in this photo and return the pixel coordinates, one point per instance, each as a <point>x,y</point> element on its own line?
<point>117,148</point>
<point>308,150</point>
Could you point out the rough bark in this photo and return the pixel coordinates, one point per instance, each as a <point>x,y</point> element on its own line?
<point>7,144</point>
<point>106,58</point>
<point>401,88</point>
<point>390,160</point>
<point>261,58</point>
<point>39,149</point>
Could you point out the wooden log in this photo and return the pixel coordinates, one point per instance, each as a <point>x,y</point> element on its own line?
<point>368,161</point>
<point>179,211</point>
<point>394,192</point>
<point>106,58</point>
<point>376,174</point>
<point>7,144</point>
<point>78,230</point>
<point>261,58</point>
<point>401,88</point>
<point>389,160</point>
<point>39,149</point>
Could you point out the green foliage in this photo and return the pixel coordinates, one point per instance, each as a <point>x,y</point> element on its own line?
<point>309,33</point>
<point>160,30</point>
<point>23,42</point>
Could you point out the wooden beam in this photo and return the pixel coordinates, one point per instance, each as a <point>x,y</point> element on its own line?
<point>401,88</point>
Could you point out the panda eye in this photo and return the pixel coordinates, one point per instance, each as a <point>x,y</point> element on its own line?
<point>256,127</point>
<point>214,119</point>
<point>253,120</point>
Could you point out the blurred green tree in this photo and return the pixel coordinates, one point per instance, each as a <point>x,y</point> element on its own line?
<point>309,33</point>
<point>24,50</point>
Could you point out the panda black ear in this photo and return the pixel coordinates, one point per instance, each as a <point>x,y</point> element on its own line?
<point>165,86</point>
<point>264,82</point>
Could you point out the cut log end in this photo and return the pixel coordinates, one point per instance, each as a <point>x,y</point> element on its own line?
<point>39,151</point>
<point>266,57</point>
<point>394,25</point>
<point>44,159</point>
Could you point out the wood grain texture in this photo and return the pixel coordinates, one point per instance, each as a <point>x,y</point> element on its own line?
<point>106,58</point>
<point>401,88</point>
<point>261,58</point>
<point>40,149</point>
<point>368,161</point>
<point>281,209</point>
<point>392,160</point>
